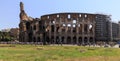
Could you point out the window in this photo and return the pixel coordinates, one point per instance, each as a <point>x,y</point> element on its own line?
<point>48,17</point>
<point>74,21</point>
<point>74,26</point>
<point>74,29</point>
<point>34,27</point>
<point>79,15</point>
<point>53,22</point>
<point>28,25</point>
<point>90,26</point>
<point>69,16</point>
<point>57,15</point>
<point>69,25</point>
<point>85,16</point>
<point>64,25</point>
<point>78,25</point>
<point>52,28</point>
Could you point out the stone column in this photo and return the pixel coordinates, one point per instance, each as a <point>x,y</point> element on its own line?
<point>77,29</point>
<point>72,33</point>
<point>54,31</point>
<point>77,38</point>
<point>93,33</point>
<point>88,33</point>
<point>50,32</point>
<point>83,32</point>
<point>65,30</point>
<point>83,40</point>
<point>88,40</point>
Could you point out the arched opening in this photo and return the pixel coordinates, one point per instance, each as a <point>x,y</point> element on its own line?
<point>91,29</point>
<point>47,39</point>
<point>48,17</point>
<point>52,40</point>
<point>74,28</point>
<point>30,37</point>
<point>27,25</point>
<point>80,40</point>
<point>85,28</point>
<point>57,15</point>
<point>74,40</point>
<point>41,27</point>
<point>80,28</point>
<point>69,16</point>
<point>85,40</point>
<point>52,28</point>
<point>34,39</point>
<point>47,29</point>
<point>69,29</point>
<point>57,40</point>
<point>85,16</point>
<point>91,40</point>
<point>74,21</point>
<point>57,27</point>
<point>62,39</point>
<point>34,27</point>
<point>38,39</point>
<point>68,40</point>
<point>80,15</point>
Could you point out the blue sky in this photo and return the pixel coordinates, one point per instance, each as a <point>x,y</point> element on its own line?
<point>9,9</point>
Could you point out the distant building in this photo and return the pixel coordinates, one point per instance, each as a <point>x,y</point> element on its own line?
<point>103,27</point>
<point>115,31</point>
<point>5,30</point>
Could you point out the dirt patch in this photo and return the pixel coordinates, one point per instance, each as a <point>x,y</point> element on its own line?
<point>7,46</point>
<point>97,58</point>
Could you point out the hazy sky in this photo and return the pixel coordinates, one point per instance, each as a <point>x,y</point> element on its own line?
<point>9,9</point>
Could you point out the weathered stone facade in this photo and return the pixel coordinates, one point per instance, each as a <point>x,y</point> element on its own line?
<point>70,28</point>
<point>66,28</point>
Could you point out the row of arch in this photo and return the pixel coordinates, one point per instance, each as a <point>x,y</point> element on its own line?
<point>70,40</point>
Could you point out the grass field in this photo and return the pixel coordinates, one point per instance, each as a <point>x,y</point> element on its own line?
<point>57,53</point>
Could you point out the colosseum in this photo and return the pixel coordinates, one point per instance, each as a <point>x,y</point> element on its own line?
<point>67,28</point>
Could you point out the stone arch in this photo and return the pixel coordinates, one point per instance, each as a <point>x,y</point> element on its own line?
<point>34,39</point>
<point>38,39</point>
<point>34,27</point>
<point>91,40</point>
<point>52,28</point>
<point>47,39</point>
<point>30,37</point>
<point>68,40</point>
<point>62,39</point>
<point>52,40</point>
<point>85,28</point>
<point>57,40</point>
<point>80,40</point>
<point>86,40</point>
<point>74,40</point>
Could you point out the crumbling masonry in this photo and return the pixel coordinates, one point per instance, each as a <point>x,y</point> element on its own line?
<point>66,28</point>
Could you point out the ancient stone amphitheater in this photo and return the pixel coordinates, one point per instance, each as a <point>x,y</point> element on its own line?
<point>66,28</point>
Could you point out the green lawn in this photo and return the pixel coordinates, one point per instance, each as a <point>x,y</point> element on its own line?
<point>57,53</point>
